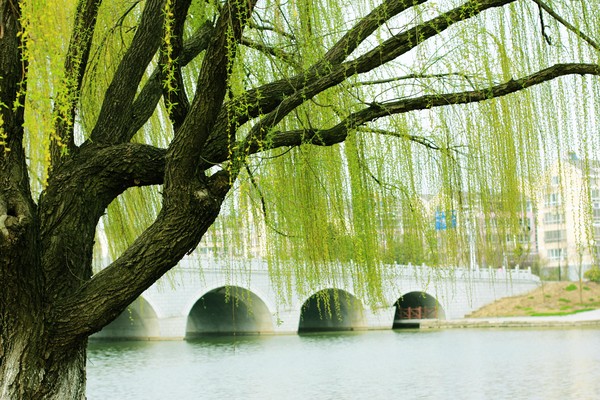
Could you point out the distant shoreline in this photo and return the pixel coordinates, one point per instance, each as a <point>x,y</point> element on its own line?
<point>583,319</point>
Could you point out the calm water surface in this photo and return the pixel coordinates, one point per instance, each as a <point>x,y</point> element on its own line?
<point>445,364</point>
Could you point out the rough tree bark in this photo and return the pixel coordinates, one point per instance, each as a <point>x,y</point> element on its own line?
<point>50,302</point>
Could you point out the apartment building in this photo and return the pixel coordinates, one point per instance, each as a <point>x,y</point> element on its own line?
<point>568,215</point>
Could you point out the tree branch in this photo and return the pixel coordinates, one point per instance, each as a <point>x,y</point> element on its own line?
<point>266,97</point>
<point>13,77</point>
<point>116,112</point>
<point>180,224</point>
<point>415,76</point>
<point>280,32</point>
<point>77,197</point>
<point>338,133</point>
<point>365,27</point>
<point>17,208</point>
<point>422,140</point>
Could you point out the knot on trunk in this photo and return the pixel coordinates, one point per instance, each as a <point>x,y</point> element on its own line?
<point>220,183</point>
<point>12,227</point>
<point>13,219</point>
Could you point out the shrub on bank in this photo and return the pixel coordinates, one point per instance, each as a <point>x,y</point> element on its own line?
<point>593,274</point>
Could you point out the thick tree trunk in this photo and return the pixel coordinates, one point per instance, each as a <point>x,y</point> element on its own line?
<point>31,370</point>
<point>34,362</point>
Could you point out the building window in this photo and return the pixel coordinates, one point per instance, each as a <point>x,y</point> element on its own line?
<point>554,236</point>
<point>557,254</point>
<point>555,180</point>
<point>596,231</point>
<point>552,199</point>
<point>596,214</point>
<point>554,218</point>
<point>524,238</point>
<point>595,194</point>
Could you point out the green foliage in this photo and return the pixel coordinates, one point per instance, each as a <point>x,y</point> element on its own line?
<point>592,274</point>
<point>168,69</point>
<point>571,287</point>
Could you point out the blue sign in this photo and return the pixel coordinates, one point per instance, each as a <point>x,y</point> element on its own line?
<point>441,222</point>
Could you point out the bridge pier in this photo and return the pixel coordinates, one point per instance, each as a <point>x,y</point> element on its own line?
<point>286,321</point>
<point>172,328</point>
<point>381,318</point>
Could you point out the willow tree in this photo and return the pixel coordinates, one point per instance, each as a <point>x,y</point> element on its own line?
<point>314,114</point>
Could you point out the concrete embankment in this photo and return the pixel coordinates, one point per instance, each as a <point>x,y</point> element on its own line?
<point>582,319</point>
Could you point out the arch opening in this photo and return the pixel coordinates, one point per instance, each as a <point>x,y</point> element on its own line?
<point>415,306</point>
<point>137,322</point>
<point>228,310</point>
<point>331,310</point>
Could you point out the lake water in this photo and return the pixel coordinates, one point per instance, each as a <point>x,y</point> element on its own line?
<point>404,364</point>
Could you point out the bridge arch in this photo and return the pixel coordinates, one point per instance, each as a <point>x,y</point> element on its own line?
<point>415,306</point>
<point>332,310</point>
<point>138,321</point>
<point>228,310</point>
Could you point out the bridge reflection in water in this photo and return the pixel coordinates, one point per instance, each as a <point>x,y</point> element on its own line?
<point>204,297</point>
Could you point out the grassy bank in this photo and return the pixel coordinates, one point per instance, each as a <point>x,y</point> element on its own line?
<point>551,298</point>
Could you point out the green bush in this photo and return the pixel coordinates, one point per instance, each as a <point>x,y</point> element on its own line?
<point>571,287</point>
<point>593,274</point>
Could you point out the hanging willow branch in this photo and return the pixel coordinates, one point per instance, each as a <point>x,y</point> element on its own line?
<point>76,63</point>
<point>271,50</point>
<point>176,100</point>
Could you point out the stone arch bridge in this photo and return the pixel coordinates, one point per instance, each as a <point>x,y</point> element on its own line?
<point>205,296</point>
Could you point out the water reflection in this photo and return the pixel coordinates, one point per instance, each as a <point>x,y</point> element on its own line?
<point>465,364</point>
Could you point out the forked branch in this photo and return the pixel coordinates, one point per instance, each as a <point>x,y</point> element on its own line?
<point>211,87</point>
<point>567,24</point>
<point>115,114</point>
<point>145,103</point>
